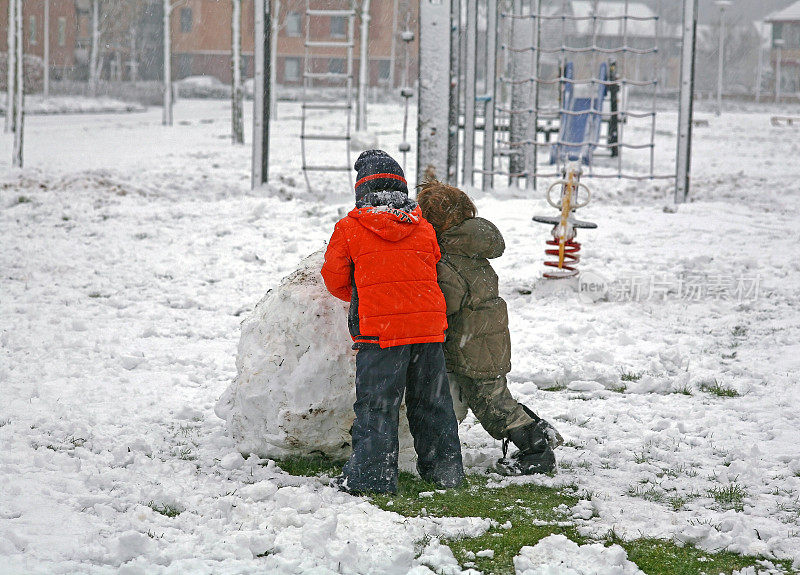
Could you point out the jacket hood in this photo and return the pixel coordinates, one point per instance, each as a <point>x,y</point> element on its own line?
<point>473,238</point>
<point>391,224</point>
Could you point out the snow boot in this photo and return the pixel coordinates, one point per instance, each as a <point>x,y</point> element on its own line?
<point>554,438</point>
<point>535,454</point>
<point>340,482</point>
<point>450,478</point>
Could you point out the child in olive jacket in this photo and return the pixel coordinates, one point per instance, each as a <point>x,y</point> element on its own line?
<point>478,345</point>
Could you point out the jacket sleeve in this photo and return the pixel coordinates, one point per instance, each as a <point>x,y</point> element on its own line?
<point>337,270</point>
<point>453,287</point>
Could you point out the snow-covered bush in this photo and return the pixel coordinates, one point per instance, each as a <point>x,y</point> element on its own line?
<point>34,72</point>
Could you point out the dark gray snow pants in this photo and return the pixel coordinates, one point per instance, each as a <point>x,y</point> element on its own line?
<point>382,376</point>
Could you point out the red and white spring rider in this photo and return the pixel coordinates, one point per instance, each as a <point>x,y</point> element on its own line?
<point>574,195</point>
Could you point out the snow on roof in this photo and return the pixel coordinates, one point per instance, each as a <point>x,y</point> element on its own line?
<point>635,26</point>
<point>788,14</point>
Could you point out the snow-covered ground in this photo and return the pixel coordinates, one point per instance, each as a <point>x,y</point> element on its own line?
<point>131,253</point>
<point>36,104</point>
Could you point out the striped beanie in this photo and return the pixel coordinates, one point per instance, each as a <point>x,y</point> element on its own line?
<point>378,171</point>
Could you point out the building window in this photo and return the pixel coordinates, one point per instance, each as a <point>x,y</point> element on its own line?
<point>338,26</point>
<point>384,70</point>
<point>291,69</point>
<point>336,65</point>
<point>32,36</point>
<point>777,32</point>
<point>62,32</point>
<point>186,20</point>
<point>293,26</point>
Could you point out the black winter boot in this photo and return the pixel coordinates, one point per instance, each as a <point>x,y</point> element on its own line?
<point>554,438</point>
<point>535,454</point>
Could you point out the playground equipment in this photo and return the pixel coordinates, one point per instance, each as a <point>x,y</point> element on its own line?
<point>565,226</point>
<point>507,78</point>
<point>338,74</point>
<point>522,43</point>
<point>579,133</point>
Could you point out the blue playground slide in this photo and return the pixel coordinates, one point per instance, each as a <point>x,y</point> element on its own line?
<point>580,121</point>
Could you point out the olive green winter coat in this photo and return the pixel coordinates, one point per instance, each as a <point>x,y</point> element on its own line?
<point>478,343</point>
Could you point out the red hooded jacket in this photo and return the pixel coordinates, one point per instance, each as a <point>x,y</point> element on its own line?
<point>391,256</point>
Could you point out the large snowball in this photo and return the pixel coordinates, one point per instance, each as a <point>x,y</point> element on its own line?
<point>295,383</point>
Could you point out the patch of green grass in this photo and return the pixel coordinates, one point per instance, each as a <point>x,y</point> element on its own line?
<point>630,376</point>
<point>534,513</point>
<point>660,557</point>
<point>647,492</point>
<point>677,502</point>
<point>24,200</point>
<point>556,386</point>
<point>739,331</point>
<point>683,390</point>
<point>719,389</point>
<point>311,466</point>
<point>730,496</point>
<point>532,510</point>
<point>165,509</point>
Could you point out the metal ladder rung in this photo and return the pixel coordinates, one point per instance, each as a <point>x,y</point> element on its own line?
<point>327,168</point>
<point>333,137</point>
<point>323,44</point>
<point>327,76</point>
<point>330,12</point>
<point>327,107</point>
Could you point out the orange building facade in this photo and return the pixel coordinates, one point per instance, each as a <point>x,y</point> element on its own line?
<point>63,32</point>
<point>201,32</point>
<point>201,40</point>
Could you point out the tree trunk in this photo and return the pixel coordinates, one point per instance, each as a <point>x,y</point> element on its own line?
<point>237,122</point>
<point>95,48</point>
<point>363,68</point>
<point>12,66</point>
<point>167,113</point>
<point>19,106</point>
<point>273,58</point>
<point>46,38</point>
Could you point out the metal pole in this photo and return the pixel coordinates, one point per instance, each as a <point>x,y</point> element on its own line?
<point>721,56</point>
<point>684,155</point>
<point>393,49</point>
<point>261,95</point>
<point>469,92</point>
<point>454,103</point>
<point>778,72</point>
<point>46,48</point>
<point>434,87</point>
<point>273,59</point>
<point>363,68</point>
<point>166,118</point>
<point>760,68</point>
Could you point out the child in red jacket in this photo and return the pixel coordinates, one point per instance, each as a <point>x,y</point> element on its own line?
<point>382,259</point>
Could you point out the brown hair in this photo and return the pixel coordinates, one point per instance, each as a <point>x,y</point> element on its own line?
<point>444,206</point>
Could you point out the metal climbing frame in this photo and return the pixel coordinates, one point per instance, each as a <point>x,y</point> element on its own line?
<point>510,72</point>
<point>319,71</point>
